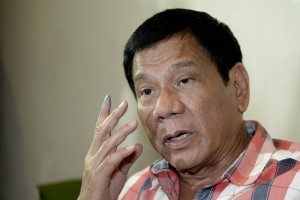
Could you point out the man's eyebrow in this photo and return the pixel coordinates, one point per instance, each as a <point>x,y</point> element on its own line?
<point>140,76</point>
<point>182,64</point>
<point>178,65</point>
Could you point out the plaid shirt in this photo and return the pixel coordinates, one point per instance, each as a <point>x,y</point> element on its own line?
<point>267,169</point>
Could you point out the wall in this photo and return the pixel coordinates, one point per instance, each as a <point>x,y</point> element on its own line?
<point>60,58</point>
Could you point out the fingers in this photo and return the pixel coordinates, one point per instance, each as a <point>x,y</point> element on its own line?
<point>126,164</point>
<point>111,121</point>
<point>104,144</point>
<point>117,161</point>
<point>111,144</point>
<point>105,110</point>
<point>106,165</point>
<point>106,122</point>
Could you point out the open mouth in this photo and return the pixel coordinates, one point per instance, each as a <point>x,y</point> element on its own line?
<point>178,140</point>
<point>178,137</point>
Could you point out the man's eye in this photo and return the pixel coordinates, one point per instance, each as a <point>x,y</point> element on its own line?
<point>185,81</point>
<point>146,92</point>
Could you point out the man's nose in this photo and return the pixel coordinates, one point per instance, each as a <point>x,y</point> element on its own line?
<point>168,105</point>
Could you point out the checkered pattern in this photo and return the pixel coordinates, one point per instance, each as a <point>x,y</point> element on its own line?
<point>267,169</point>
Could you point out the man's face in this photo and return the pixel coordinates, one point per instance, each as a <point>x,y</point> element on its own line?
<point>189,115</point>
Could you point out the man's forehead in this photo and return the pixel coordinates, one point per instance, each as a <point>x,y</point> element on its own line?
<point>140,74</point>
<point>159,49</point>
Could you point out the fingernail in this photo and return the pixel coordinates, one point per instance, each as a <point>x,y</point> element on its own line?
<point>123,102</point>
<point>130,147</point>
<point>131,123</point>
<point>106,99</point>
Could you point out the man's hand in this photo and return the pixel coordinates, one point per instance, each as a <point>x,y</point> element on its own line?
<point>106,166</point>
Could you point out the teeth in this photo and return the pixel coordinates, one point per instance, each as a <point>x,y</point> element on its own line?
<point>179,137</point>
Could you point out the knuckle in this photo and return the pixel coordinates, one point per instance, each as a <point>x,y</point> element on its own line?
<point>107,144</point>
<point>89,160</point>
<point>89,166</point>
<point>115,115</point>
<point>98,127</point>
<point>107,125</point>
<point>109,160</point>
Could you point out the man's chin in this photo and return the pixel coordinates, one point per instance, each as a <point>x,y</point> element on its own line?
<point>183,165</point>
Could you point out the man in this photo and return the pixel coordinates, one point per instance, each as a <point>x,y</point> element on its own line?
<point>186,72</point>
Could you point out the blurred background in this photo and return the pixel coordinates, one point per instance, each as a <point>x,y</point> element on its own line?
<point>58,60</point>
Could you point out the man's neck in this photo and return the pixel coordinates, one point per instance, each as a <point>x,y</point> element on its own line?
<point>192,181</point>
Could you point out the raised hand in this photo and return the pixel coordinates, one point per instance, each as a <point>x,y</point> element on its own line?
<point>106,166</point>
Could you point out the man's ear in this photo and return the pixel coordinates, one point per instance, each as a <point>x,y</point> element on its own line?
<point>239,78</point>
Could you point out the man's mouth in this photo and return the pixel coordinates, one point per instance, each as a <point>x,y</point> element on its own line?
<point>178,137</point>
<point>178,140</point>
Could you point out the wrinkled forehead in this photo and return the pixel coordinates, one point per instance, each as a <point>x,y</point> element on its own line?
<point>168,58</point>
<point>177,46</point>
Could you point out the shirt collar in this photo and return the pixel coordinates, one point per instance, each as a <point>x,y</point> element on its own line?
<point>255,157</point>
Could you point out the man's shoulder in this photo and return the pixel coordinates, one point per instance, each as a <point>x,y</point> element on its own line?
<point>286,150</point>
<point>286,145</point>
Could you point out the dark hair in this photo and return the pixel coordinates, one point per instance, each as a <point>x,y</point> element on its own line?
<point>214,36</point>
